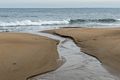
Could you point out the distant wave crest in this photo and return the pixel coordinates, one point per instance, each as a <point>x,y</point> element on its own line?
<point>78,21</point>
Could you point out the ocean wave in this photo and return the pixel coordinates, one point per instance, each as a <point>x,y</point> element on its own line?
<point>59,22</point>
<point>79,21</point>
<point>33,23</point>
<point>4,16</point>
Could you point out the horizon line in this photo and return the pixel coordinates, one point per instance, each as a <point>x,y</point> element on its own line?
<point>60,7</point>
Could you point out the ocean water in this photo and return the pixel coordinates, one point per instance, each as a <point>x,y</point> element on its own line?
<point>36,19</point>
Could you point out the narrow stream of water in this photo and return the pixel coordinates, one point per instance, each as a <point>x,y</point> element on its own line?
<point>77,65</point>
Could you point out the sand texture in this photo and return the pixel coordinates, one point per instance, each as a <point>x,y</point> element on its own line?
<point>77,65</point>
<point>104,44</point>
<point>24,55</point>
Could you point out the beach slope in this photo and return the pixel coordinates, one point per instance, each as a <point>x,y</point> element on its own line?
<point>25,55</point>
<point>104,44</point>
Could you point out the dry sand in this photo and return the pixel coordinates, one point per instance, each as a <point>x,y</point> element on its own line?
<point>24,55</point>
<point>104,44</point>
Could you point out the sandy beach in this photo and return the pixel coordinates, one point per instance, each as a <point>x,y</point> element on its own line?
<point>77,65</point>
<point>38,56</point>
<point>100,43</point>
<point>59,40</point>
<point>25,55</point>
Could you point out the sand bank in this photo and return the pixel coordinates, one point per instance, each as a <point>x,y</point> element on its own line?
<point>24,55</point>
<point>77,65</point>
<point>104,44</point>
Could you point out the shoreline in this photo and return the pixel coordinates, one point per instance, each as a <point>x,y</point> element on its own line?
<point>75,61</point>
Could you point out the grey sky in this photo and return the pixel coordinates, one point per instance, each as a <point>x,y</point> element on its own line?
<point>59,3</point>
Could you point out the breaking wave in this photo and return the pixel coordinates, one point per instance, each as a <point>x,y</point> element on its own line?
<point>62,22</point>
<point>74,21</point>
<point>33,23</point>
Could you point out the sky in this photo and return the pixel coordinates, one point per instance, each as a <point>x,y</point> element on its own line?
<point>59,3</point>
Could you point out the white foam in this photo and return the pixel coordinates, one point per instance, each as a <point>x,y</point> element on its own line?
<point>118,19</point>
<point>33,23</point>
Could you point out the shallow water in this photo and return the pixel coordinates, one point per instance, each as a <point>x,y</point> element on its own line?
<point>77,66</point>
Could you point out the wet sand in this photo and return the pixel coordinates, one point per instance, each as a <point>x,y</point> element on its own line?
<point>77,65</point>
<point>25,55</point>
<point>104,44</point>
